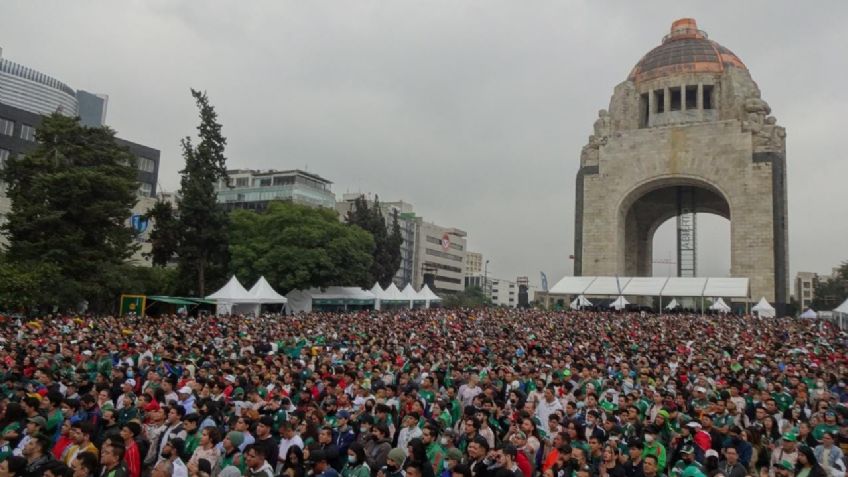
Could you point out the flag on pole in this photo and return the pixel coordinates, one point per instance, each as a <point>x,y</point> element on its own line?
<point>544,282</point>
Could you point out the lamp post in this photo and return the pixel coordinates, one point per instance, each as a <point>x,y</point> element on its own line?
<point>486,280</point>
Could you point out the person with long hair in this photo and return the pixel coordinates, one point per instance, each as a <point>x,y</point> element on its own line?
<point>294,466</point>
<point>417,454</point>
<point>808,465</point>
<point>356,464</point>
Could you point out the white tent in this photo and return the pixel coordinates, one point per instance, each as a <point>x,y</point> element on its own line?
<point>379,293</point>
<point>580,302</point>
<point>809,314</point>
<point>394,295</point>
<point>340,297</point>
<point>263,292</point>
<point>843,308</point>
<point>840,314</point>
<point>410,294</point>
<point>232,298</point>
<point>672,305</point>
<point>720,306</point>
<point>428,296</point>
<point>764,309</point>
<point>619,303</point>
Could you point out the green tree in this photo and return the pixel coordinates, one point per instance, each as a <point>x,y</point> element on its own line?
<point>71,199</point>
<point>202,249</point>
<point>298,247</point>
<point>386,257</point>
<point>471,297</point>
<point>165,236</point>
<point>832,292</point>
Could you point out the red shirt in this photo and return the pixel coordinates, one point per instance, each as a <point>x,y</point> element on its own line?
<point>60,446</point>
<point>132,458</point>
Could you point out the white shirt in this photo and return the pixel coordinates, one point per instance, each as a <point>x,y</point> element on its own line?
<point>544,409</point>
<point>406,435</point>
<point>285,444</point>
<point>180,469</point>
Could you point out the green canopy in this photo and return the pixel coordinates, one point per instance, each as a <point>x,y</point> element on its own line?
<point>172,300</point>
<point>202,301</point>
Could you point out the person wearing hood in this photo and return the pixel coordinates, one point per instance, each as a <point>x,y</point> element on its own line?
<point>394,461</point>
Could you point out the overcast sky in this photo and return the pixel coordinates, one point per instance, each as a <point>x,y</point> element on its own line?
<point>473,111</point>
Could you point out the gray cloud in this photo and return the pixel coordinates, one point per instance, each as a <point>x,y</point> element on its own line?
<point>473,111</point>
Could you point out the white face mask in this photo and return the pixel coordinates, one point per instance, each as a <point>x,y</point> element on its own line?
<point>649,438</point>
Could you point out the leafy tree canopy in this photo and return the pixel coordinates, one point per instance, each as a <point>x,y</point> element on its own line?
<point>298,247</point>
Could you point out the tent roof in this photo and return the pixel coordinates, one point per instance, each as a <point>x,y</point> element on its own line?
<point>409,293</point>
<point>729,287</point>
<point>426,294</point>
<point>607,286</point>
<point>263,292</point>
<point>335,293</point>
<point>843,308</point>
<point>378,291</point>
<point>762,305</point>
<point>394,294</point>
<point>653,286</point>
<point>810,313</point>
<point>232,291</point>
<point>173,300</point>
<point>645,286</point>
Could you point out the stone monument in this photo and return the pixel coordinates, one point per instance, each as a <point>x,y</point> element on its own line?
<point>686,133</point>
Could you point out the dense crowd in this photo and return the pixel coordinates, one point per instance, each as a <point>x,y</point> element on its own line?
<point>424,393</point>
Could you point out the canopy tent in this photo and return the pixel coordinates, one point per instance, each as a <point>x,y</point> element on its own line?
<point>172,300</point>
<point>232,298</point>
<point>428,296</point>
<point>764,309</point>
<point>394,296</point>
<point>379,294</point>
<point>333,298</point>
<point>840,315</point>
<point>580,302</point>
<point>672,305</point>
<point>809,314</point>
<point>620,303</point>
<point>410,294</point>
<point>653,286</point>
<point>720,306</point>
<point>263,292</point>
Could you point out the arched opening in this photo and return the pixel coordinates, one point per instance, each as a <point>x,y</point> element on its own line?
<point>713,243</point>
<point>651,205</point>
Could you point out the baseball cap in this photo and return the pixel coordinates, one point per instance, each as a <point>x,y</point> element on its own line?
<point>42,423</point>
<point>343,414</point>
<point>687,449</point>
<point>130,382</point>
<point>185,390</point>
<point>711,453</point>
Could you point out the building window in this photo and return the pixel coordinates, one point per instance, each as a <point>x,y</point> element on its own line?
<point>806,284</point>
<point>145,189</point>
<point>27,132</point>
<point>265,182</point>
<point>659,101</point>
<point>6,127</point>
<point>242,181</point>
<point>4,156</point>
<point>708,96</point>
<point>675,98</point>
<point>145,164</point>
<point>283,180</point>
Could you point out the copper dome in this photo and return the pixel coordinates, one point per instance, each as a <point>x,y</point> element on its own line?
<point>685,50</point>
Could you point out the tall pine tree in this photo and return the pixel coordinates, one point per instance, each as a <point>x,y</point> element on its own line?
<point>71,199</point>
<point>386,246</point>
<point>165,236</point>
<point>203,246</point>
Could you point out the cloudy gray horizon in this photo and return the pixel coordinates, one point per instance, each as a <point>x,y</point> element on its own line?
<point>475,112</point>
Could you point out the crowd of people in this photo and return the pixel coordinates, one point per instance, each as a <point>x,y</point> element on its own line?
<point>423,393</point>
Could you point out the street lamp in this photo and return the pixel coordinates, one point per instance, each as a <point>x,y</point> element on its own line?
<point>486,280</point>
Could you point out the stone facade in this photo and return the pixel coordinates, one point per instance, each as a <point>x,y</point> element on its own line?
<point>693,122</point>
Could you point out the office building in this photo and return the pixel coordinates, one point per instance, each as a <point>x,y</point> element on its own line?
<point>253,190</point>
<point>91,108</point>
<point>439,257</point>
<point>805,289</point>
<point>473,263</point>
<point>27,95</point>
